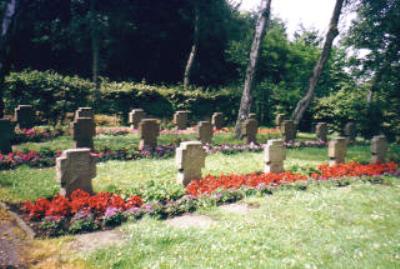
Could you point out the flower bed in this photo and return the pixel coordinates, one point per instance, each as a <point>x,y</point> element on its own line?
<point>113,131</point>
<point>36,134</point>
<point>80,212</point>
<point>47,158</point>
<point>353,169</point>
<point>83,212</point>
<point>210,184</point>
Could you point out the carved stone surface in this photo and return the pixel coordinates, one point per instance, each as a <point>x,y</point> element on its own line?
<point>181,119</point>
<point>274,155</point>
<point>83,131</point>
<point>279,119</point>
<point>288,130</point>
<point>217,120</point>
<point>190,159</point>
<point>379,147</point>
<point>75,169</point>
<point>24,116</point>
<point>135,116</point>
<point>149,130</point>
<point>249,130</point>
<point>253,116</point>
<point>204,132</point>
<point>321,131</point>
<point>350,132</point>
<point>6,134</point>
<point>84,112</point>
<point>337,149</point>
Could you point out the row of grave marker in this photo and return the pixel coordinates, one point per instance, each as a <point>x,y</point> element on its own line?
<point>84,129</point>
<point>76,168</point>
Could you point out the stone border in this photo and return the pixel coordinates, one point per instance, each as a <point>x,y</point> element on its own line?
<point>20,222</point>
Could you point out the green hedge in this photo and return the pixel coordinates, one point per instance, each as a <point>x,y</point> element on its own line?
<point>51,94</point>
<point>54,95</point>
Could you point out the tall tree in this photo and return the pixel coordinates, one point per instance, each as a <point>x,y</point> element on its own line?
<point>376,30</point>
<point>9,15</point>
<point>303,104</point>
<point>246,100</point>
<point>193,50</point>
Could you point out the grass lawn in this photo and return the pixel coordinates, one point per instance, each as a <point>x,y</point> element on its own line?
<point>324,227</point>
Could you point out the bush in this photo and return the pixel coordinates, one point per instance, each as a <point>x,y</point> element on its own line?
<point>341,107</point>
<point>51,94</point>
<point>55,96</point>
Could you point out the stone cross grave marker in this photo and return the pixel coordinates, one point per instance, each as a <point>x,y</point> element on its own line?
<point>217,120</point>
<point>135,116</point>
<point>75,169</point>
<point>149,130</point>
<point>84,112</point>
<point>253,116</point>
<point>204,132</point>
<point>249,130</point>
<point>288,130</point>
<point>6,134</point>
<point>321,131</point>
<point>83,131</point>
<point>279,119</point>
<point>274,155</point>
<point>379,147</point>
<point>350,132</point>
<point>190,159</point>
<point>24,116</point>
<point>337,149</point>
<point>181,119</point>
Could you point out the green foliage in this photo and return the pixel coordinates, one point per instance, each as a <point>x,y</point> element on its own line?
<point>51,94</point>
<point>159,191</point>
<point>348,104</point>
<point>54,95</point>
<point>376,32</point>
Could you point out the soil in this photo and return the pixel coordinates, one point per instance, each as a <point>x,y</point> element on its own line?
<point>91,241</point>
<point>12,242</point>
<point>241,208</point>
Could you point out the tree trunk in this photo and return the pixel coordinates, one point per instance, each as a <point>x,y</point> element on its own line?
<point>245,103</point>
<point>95,50</point>
<point>8,19</point>
<point>303,104</point>
<point>193,51</point>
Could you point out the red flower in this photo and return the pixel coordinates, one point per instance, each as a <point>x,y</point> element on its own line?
<point>38,209</point>
<point>134,201</point>
<point>59,207</point>
<point>210,184</point>
<point>117,202</point>
<point>100,201</point>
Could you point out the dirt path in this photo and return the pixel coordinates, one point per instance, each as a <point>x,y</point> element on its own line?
<point>12,242</point>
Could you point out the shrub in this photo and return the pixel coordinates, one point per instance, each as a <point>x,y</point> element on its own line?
<point>51,94</point>
<point>55,97</point>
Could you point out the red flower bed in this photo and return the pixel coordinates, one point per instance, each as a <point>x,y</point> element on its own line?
<point>61,206</point>
<point>210,183</point>
<point>354,169</point>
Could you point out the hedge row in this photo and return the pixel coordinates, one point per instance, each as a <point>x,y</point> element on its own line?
<point>54,96</point>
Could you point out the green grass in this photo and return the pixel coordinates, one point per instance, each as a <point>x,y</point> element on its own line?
<point>125,141</point>
<point>324,227</point>
<point>27,183</point>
